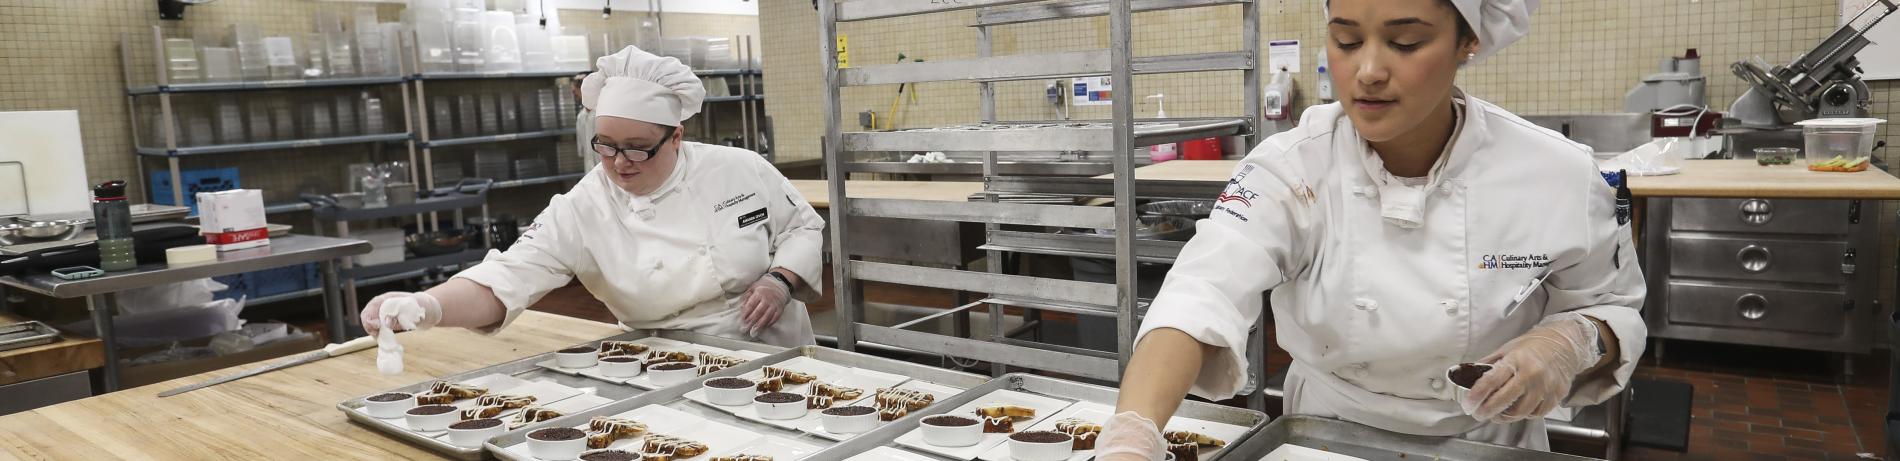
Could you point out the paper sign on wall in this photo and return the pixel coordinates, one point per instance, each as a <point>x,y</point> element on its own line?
<point>1093,91</point>
<point>844,53</point>
<point>1283,54</point>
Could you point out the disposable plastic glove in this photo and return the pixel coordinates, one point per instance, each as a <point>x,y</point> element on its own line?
<point>1128,436</point>
<point>1532,374</point>
<point>426,315</point>
<point>392,312</point>
<point>763,304</point>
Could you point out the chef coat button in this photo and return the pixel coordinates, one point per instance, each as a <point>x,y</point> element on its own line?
<point>1451,306</point>
<point>1366,304</point>
<point>1437,385</point>
<point>1360,373</point>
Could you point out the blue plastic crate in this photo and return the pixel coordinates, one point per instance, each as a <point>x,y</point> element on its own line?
<point>277,281</point>
<point>312,276</point>
<point>238,286</point>
<point>200,180</point>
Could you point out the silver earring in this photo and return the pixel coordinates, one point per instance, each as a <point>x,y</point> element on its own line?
<point>1471,56</point>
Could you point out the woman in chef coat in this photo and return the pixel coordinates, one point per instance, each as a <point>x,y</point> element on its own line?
<point>668,234</point>
<point>1396,229</point>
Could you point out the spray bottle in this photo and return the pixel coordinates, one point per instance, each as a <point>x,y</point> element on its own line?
<point>1162,152</point>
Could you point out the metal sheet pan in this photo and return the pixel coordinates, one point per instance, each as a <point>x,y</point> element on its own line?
<point>886,436</point>
<point>26,334</point>
<point>526,369</point>
<point>1371,443</point>
<point>674,397</point>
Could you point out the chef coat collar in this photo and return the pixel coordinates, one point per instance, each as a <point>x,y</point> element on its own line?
<point>643,204</point>
<point>1403,205</point>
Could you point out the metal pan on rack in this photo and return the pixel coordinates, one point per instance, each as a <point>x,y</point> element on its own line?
<point>525,369</point>
<point>713,423</point>
<point>1250,422</point>
<point>1366,442</point>
<point>26,334</point>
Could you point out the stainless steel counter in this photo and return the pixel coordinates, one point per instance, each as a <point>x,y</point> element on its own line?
<point>100,292</point>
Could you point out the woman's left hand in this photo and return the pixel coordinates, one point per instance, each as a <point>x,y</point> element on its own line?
<point>763,303</point>
<point>1532,374</point>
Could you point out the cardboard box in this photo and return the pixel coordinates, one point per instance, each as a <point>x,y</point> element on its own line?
<point>233,219</point>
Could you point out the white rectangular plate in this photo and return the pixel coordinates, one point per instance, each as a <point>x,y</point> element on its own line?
<point>773,446</point>
<point>494,383</point>
<point>663,420</point>
<point>1044,406</point>
<point>889,454</point>
<point>651,341</point>
<point>1291,452</point>
<point>866,380</point>
<point>544,393</point>
<point>817,426</point>
<point>1099,413</point>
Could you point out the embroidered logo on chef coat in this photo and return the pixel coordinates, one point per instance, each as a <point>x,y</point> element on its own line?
<point>732,201</point>
<point>752,218</point>
<point>1512,261</point>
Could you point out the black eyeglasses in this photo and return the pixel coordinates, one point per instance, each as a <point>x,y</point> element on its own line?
<point>633,155</point>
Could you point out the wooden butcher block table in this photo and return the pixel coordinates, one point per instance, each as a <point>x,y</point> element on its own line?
<point>284,414</point>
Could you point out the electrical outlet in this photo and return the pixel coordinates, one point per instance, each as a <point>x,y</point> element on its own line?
<point>867,119</point>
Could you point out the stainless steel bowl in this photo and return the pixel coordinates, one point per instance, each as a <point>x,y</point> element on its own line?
<point>41,231</point>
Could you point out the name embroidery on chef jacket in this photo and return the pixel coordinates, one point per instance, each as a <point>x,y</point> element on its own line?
<point>721,206</point>
<point>1513,261</point>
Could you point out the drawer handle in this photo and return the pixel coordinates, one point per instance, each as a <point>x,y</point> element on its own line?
<point>1754,258</point>
<point>1757,211</point>
<point>1752,306</point>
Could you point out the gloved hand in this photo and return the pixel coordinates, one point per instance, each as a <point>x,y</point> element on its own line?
<point>763,304</point>
<point>1128,436</point>
<point>1532,373</point>
<point>420,311</point>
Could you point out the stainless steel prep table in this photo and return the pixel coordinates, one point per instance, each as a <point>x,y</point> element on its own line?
<point>101,292</point>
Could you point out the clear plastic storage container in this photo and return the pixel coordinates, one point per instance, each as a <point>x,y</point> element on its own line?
<point>1839,144</point>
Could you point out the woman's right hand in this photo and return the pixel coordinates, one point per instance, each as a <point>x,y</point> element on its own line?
<point>419,310</point>
<point>1130,437</point>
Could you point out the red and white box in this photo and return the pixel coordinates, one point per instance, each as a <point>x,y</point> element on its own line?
<point>233,219</point>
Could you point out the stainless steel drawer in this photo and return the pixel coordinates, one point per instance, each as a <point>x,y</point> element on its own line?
<point>1758,259</point>
<point>1797,311</point>
<point>1789,216</point>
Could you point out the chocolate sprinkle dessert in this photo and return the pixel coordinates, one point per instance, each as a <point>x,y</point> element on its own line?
<point>432,409</point>
<point>779,397</point>
<point>610,455</point>
<point>730,383</point>
<point>945,420</point>
<point>670,366</point>
<point>620,359</point>
<point>851,411</point>
<point>389,397</point>
<point>578,350</point>
<point>1467,374</point>
<point>1040,437</point>
<point>472,424</point>
<point>555,434</point>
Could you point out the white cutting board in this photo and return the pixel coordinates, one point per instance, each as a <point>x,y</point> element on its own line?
<point>47,144</point>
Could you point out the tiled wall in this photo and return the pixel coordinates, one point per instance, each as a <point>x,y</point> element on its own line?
<point>65,56</point>
<point>1581,57</point>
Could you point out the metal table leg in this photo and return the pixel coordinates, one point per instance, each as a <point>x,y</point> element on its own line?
<point>101,307</point>
<point>333,309</point>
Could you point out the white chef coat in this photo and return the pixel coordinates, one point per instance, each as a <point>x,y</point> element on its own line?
<point>1373,313</point>
<point>678,258</point>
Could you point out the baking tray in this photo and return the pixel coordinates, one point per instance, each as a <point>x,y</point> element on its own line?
<point>26,334</point>
<point>887,435</point>
<point>675,397</point>
<point>526,369</point>
<point>1372,443</point>
<point>140,213</point>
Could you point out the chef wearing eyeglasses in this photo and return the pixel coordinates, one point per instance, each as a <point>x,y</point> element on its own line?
<point>668,234</point>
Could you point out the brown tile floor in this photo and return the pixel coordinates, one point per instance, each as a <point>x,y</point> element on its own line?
<point>1751,403</point>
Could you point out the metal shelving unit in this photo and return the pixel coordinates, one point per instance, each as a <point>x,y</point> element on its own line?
<point>425,140</point>
<point>470,193</point>
<point>1119,137</point>
<point>752,128</point>
<point>164,90</point>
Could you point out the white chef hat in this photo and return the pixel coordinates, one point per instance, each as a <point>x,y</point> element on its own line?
<point>638,85</point>
<point>1497,23</point>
